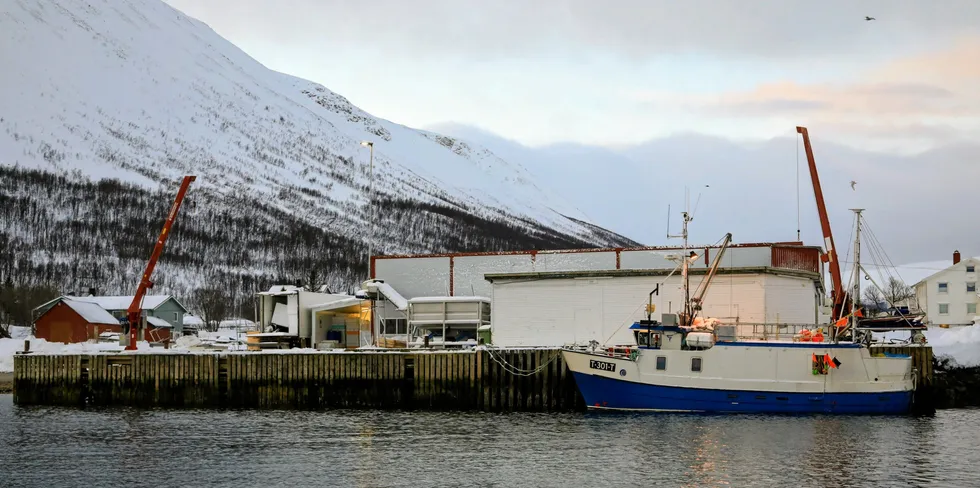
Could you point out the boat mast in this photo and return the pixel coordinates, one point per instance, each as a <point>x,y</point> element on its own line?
<point>687,279</point>
<point>685,257</point>
<point>855,298</point>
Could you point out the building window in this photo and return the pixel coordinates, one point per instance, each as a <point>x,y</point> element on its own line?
<point>970,268</point>
<point>971,308</point>
<point>943,309</point>
<point>971,287</point>
<point>943,287</point>
<point>661,363</point>
<point>393,326</point>
<point>176,317</point>
<point>696,365</point>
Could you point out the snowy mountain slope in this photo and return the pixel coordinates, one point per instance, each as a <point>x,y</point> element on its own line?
<point>135,90</point>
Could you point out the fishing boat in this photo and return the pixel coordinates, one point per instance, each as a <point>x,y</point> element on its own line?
<point>685,362</point>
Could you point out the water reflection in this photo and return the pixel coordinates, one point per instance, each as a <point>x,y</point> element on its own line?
<point>125,447</point>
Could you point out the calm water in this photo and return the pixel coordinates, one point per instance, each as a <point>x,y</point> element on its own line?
<point>54,447</point>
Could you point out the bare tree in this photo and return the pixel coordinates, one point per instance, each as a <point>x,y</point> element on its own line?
<point>214,305</point>
<point>872,301</point>
<point>896,291</point>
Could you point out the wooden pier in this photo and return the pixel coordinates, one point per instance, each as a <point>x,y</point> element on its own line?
<point>529,380</point>
<point>512,380</point>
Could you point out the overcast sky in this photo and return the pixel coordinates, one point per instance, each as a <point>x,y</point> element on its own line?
<point>620,91</point>
<point>613,73</point>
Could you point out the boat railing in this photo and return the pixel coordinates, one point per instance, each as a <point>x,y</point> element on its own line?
<point>770,331</point>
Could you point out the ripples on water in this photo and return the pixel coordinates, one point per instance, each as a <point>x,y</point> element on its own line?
<point>54,447</point>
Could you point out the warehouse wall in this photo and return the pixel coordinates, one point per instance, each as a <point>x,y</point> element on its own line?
<point>551,312</point>
<point>430,276</point>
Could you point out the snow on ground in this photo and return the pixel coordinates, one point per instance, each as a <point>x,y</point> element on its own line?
<point>8,347</point>
<point>961,343</point>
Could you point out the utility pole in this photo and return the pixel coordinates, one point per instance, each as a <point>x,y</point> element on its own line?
<point>370,146</point>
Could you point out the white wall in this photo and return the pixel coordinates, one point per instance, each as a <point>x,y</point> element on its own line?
<point>790,300</point>
<point>415,277</point>
<point>552,312</point>
<point>956,296</point>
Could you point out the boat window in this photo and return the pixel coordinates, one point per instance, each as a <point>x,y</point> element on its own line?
<point>661,363</point>
<point>696,365</point>
<point>642,339</point>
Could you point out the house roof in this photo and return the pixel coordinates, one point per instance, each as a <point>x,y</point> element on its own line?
<point>91,312</point>
<point>158,322</point>
<point>150,302</point>
<point>916,273</point>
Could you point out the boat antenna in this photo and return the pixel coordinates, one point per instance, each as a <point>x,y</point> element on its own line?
<point>685,256</point>
<point>668,221</point>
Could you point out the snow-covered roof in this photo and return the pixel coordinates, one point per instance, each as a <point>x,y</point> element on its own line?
<point>385,289</point>
<point>192,320</point>
<point>912,273</point>
<point>281,290</point>
<point>158,322</point>
<point>337,304</point>
<point>91,312</point>
<point>150,302</point>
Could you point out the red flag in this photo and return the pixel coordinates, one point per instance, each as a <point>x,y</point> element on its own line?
<point>842,322</point>
<point>830,362</point>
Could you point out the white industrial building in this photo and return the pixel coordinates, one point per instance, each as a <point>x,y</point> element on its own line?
<point>950,296</point>
<point>557,297</point>
<point>547,309</point>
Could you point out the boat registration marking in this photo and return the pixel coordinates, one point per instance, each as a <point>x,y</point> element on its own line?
<point>602,365</point>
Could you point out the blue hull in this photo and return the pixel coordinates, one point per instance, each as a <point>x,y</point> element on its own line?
<point>600,392</point>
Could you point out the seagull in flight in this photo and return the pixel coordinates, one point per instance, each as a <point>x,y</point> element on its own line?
<point>868,19</point>
<point>853,183</point>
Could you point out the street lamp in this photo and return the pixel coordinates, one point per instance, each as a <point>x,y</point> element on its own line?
<point>370,145</point>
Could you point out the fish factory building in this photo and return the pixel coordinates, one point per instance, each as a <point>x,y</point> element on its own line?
<point>551,298</point>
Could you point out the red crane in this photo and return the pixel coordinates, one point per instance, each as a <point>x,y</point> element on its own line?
<point>133,313</point>
<point>838,295</point>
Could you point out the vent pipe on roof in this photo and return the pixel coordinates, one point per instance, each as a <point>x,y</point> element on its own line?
<point>956,257</point>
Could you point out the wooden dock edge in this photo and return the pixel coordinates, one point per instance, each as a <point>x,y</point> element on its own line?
<point>496,381</point>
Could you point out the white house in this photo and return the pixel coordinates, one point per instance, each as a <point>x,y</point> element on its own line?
<point>950,296</point>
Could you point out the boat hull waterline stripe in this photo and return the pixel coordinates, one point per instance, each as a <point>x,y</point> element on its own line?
<point>610,394</point>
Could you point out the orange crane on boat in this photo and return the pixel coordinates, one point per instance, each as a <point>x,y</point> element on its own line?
<point>841,302</point>
<point>133,312</point>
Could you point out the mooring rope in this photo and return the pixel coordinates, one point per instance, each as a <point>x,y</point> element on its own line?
<point>514,370</point>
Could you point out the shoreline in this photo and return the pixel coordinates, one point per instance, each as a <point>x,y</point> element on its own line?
<point>6,383</point>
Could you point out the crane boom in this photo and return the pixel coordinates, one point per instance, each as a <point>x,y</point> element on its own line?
<point>133,312</point>
<point>838,294</point>
<point>702,289</point>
